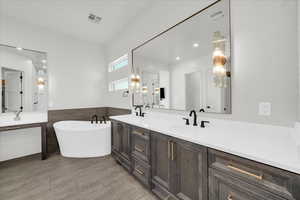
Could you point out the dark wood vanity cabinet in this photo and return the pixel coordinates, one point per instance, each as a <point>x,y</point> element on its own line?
<point>121,143</point>
<point>179,168</point>
<point>235,178</point>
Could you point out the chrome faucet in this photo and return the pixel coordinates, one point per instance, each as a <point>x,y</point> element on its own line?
<point>195,117</point>
<point>17,117</point>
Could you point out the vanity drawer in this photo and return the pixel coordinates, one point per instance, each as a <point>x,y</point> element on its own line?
<point>141,171</point>
<point>269,179</point>
<point>143,133</point>
<point>140,144</point>
<point>224,187</point>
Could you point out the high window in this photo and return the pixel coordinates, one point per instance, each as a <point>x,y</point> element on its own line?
<point>118,74</point>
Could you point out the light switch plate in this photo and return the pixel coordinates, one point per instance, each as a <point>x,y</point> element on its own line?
<point>264,109</point>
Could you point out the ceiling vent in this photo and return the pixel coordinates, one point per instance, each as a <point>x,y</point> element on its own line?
<point>94,18</point>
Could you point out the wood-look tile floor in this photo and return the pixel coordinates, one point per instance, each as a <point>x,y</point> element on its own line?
<point>59,178</point>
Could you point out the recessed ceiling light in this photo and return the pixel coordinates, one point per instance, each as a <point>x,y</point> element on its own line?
<point>177,58</point>
<point>19,48</point>
<point>44,61</point>
<point>195,45</point>
<point>94,18</point>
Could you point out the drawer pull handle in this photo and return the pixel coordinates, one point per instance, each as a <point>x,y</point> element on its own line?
<point>169,150</point>
<point>259,177</point>
<point>139,171</point>
<point>230,197</point>
<point>138,133</point>
<point>138,149</point>
<point>172,150</point>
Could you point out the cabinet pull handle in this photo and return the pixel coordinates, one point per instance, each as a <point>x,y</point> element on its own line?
<point>139,171</point>
<point>169,150</point>
<point>230,197</point>
<point>138,133</point>
<point>172,150</point>
<point>259,177</point>
<point>138,149</point>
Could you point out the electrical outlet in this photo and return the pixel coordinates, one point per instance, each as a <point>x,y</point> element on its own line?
<point>264,109</point>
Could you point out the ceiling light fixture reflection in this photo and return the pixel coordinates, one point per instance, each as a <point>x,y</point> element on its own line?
<point>177,58</point>
<point>195,45</point>
<point>19,48</point>
<point>44,61</point>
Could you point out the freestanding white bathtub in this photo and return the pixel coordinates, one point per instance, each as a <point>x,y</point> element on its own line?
<point>81,139</point>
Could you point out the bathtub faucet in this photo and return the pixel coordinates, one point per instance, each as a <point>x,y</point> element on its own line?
<point>94,118</point>
<point>103,120</point>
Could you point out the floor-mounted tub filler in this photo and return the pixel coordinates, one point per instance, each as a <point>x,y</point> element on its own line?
<point>82,139</point>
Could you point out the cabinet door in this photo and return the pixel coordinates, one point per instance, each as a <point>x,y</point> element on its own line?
<point>125,141</point>
<point>116,139</point>
<point>190,166</point>
<point>160,162</point>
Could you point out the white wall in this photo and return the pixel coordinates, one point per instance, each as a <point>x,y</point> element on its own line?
<point>70,62</point>
<point>77,76</point>
<point>264,61</point>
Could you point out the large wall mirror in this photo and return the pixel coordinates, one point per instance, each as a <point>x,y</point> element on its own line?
<point>23,75</point>
<point>188,66</point>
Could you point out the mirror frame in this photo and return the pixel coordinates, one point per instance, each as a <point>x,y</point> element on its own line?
<point>229,73</point>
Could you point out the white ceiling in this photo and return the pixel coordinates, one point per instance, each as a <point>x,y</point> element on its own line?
<point>70,17</point>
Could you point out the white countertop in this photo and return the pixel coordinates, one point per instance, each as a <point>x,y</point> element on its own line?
<point>272,145</point>
<point>7,119</point>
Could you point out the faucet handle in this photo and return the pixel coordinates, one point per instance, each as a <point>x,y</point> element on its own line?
<point>187,121</point>
<point>203,123</point>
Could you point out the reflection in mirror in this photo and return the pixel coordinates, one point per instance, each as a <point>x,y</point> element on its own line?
<point>188,66</point>
<point>23,80</point>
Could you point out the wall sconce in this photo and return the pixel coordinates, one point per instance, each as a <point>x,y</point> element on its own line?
<point>219,60</point>
<point>2,83</point>
<point>41,83</point>
<point>135,81</point>
<point>157,90</point>
<point>144,89</point>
